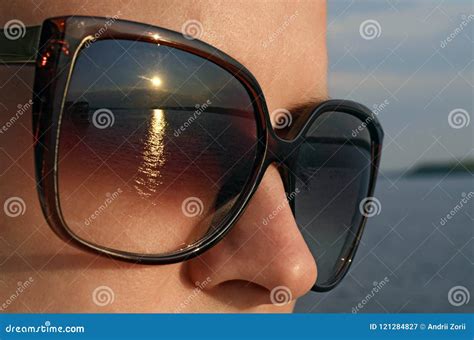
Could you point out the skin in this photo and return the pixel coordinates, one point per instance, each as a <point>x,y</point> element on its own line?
<point>252,259</point>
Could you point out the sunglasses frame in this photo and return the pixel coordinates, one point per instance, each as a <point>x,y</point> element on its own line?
<point>60,42</point>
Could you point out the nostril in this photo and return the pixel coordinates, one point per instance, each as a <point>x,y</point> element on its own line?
<point>241,293</point>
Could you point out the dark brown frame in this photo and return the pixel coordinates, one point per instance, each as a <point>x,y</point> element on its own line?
<point>59,43</point>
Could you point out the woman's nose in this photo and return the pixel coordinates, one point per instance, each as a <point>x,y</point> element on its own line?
<point>264,248</point>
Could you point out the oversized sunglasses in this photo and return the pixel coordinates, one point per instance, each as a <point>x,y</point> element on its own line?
<point>149,144</point>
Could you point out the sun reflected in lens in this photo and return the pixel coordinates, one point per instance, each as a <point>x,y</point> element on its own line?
<point>155,81</point>
<point>149,176</point>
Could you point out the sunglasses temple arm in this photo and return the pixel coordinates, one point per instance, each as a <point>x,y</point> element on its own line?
<point>19,44</point>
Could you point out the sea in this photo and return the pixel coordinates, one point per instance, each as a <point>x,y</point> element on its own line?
<point>416,255</point>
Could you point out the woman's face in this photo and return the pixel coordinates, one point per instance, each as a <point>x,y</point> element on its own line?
<point>283,45</point>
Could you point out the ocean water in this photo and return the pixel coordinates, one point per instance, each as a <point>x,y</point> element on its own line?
<point>418,255</point>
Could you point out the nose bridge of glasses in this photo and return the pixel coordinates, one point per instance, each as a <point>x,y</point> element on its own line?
<point>280,151</point>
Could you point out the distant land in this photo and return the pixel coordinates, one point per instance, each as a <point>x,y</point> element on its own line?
<point>442,169</point>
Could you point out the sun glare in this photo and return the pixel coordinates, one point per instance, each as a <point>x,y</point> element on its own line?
<point>156,81</point>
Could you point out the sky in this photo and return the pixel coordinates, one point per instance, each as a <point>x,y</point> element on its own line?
<point>114,74</point>
<point>397,52</point>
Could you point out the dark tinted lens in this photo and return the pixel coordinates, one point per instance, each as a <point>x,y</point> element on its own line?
<point>333,177</point>
<point>156,145</point>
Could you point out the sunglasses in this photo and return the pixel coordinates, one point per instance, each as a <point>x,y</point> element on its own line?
<point>149,144</point>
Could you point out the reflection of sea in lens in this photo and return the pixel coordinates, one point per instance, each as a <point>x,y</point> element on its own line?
<point>155,170</point>
<point>149,175</point>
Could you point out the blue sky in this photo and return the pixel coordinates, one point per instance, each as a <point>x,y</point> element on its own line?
<point>406,65</point>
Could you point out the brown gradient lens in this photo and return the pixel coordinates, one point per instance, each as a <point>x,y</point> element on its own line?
<point>332,177</point>
<point>156,144</point>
